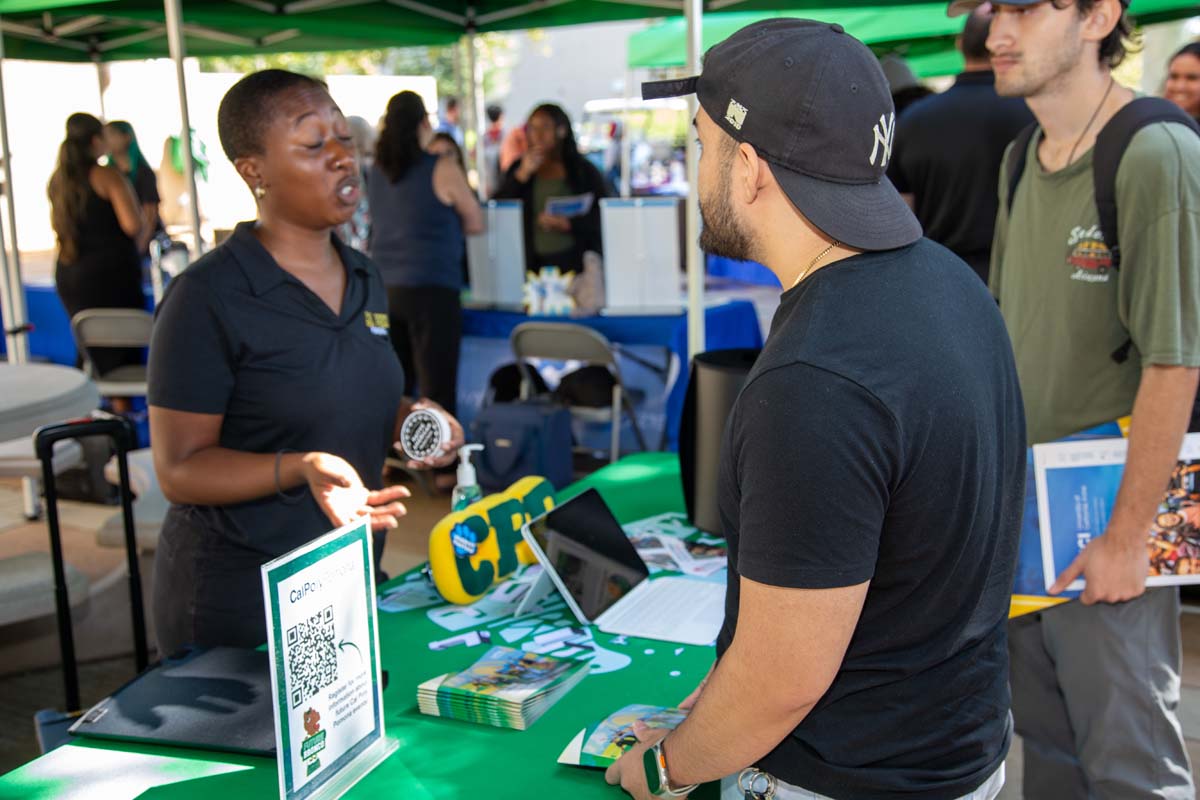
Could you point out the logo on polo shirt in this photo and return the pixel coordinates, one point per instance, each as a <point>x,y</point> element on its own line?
<point>1088,256</point>
<point>377,322</point>
<point>735,115</point>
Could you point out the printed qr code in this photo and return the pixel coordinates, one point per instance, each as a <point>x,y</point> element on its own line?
<point>311,656</point>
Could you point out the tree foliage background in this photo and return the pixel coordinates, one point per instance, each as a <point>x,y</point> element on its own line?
<point>497,52</point>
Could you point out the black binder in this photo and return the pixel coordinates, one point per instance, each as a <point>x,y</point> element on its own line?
<point>217,699</point>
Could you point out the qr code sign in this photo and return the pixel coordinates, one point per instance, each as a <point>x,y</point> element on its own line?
<point>311,656</point>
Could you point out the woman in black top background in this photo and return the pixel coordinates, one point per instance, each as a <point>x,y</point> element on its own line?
<point>127,157</point>
<point>553,167</point>
<point>97,221</point>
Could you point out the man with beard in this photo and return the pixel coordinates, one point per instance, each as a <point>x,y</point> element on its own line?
<point>873,471</point>
<point>1096,682</point>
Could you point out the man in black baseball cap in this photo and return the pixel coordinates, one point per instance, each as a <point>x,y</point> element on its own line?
<point>872,479</point>
<point>1095,682</point>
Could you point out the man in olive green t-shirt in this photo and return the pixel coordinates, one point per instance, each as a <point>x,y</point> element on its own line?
<point>1096,682</point>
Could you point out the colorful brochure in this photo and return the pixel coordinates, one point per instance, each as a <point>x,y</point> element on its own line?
<point>506,688</point>
<point>601,744</point>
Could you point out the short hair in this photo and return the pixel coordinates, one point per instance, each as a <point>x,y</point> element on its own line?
<point>451,103</point>
<point>1121,40</point>
<point>247,108</point>
<point>973,43</point>
<point>494,113</point>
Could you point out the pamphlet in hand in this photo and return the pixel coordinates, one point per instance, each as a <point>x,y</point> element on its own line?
<point>601,744</point>
<point>1077,484</point>
<point>576,205</point>
<point>506,688</point>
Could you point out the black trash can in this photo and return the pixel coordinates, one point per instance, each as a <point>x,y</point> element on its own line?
<point>716,380</point>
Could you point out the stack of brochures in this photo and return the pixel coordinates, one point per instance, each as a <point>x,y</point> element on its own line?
<point>506,688</point>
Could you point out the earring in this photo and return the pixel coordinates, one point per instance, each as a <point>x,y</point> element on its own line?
<point>260,192</point>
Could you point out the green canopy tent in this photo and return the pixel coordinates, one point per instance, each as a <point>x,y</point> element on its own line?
<point>75,31</point>
<point>662,45</point>
<point>70,30</point>
<point>921,32</point>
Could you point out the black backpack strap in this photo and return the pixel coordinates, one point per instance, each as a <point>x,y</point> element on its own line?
<point>1111,143</point>
<point>1016,162</point>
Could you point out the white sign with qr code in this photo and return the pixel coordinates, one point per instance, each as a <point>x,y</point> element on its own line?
<point>324,646</point>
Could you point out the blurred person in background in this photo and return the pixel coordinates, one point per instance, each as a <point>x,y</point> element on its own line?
<point>906,89</point>
<point>126,156</point>
<point>512,147</point>
<point>98,223</point>
<point>443,144</point>
<point>493,139</point>
<point>948,149</point>
<point>422,208</point>
<point>1183,79</point>
<point>451,121</point>
<point>553,167</point>
<point>357,231</point>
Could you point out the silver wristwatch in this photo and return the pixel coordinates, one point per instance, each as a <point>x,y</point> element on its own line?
<point>658,780</point>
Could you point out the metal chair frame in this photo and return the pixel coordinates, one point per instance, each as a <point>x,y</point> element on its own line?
<point>563,341</point>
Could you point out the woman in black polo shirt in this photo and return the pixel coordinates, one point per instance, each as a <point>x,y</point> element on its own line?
<point>274,390</point>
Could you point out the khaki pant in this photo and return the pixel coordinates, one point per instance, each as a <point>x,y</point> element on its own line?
<point>784,791</point>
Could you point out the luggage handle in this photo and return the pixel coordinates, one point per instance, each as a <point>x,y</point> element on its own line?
<point>121,432</point>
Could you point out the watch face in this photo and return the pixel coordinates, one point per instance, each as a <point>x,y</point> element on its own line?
<point>650,765</point>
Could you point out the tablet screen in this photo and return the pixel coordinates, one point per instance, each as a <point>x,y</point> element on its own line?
<point>594,559</point>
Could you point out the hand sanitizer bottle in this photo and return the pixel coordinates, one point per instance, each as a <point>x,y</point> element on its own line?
<point>467,490</point>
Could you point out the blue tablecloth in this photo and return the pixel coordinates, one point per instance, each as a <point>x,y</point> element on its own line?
<point>728,325</point>
<point>51,338</point>
<point>741,271</point>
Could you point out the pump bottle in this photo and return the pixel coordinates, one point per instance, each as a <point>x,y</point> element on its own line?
<point>467,490</point>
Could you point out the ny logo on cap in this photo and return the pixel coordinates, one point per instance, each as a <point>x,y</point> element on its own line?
<point>885,134</point>
<point>735,115</point>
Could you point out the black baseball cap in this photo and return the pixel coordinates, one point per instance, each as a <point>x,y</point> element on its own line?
<point>813,102</point>
<point>959,7</point>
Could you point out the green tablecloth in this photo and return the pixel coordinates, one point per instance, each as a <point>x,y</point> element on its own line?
<point>437,758</point>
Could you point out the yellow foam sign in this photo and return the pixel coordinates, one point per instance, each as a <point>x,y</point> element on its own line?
<point>473,549</point>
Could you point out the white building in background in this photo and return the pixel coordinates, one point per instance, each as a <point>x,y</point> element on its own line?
<point>568,66</point>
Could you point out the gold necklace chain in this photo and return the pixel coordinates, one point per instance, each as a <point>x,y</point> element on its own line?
<point>813,263</point>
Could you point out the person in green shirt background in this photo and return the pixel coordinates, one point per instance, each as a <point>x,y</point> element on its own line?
<point>1096,683</point>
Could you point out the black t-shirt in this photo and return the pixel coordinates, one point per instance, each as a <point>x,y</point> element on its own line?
<point>881,436</point>
<point>237,335</point>
<point>145,186</point>
<point>947,154</point>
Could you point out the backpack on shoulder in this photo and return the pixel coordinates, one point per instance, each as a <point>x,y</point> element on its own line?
<point>1111,143</point>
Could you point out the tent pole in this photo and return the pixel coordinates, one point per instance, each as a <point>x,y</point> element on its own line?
<point>694,10</point>
<point>100,86</point>
<point>174,18</point>
<point>627,138</point>
<point>12,287</point>
<point>478,114</point>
